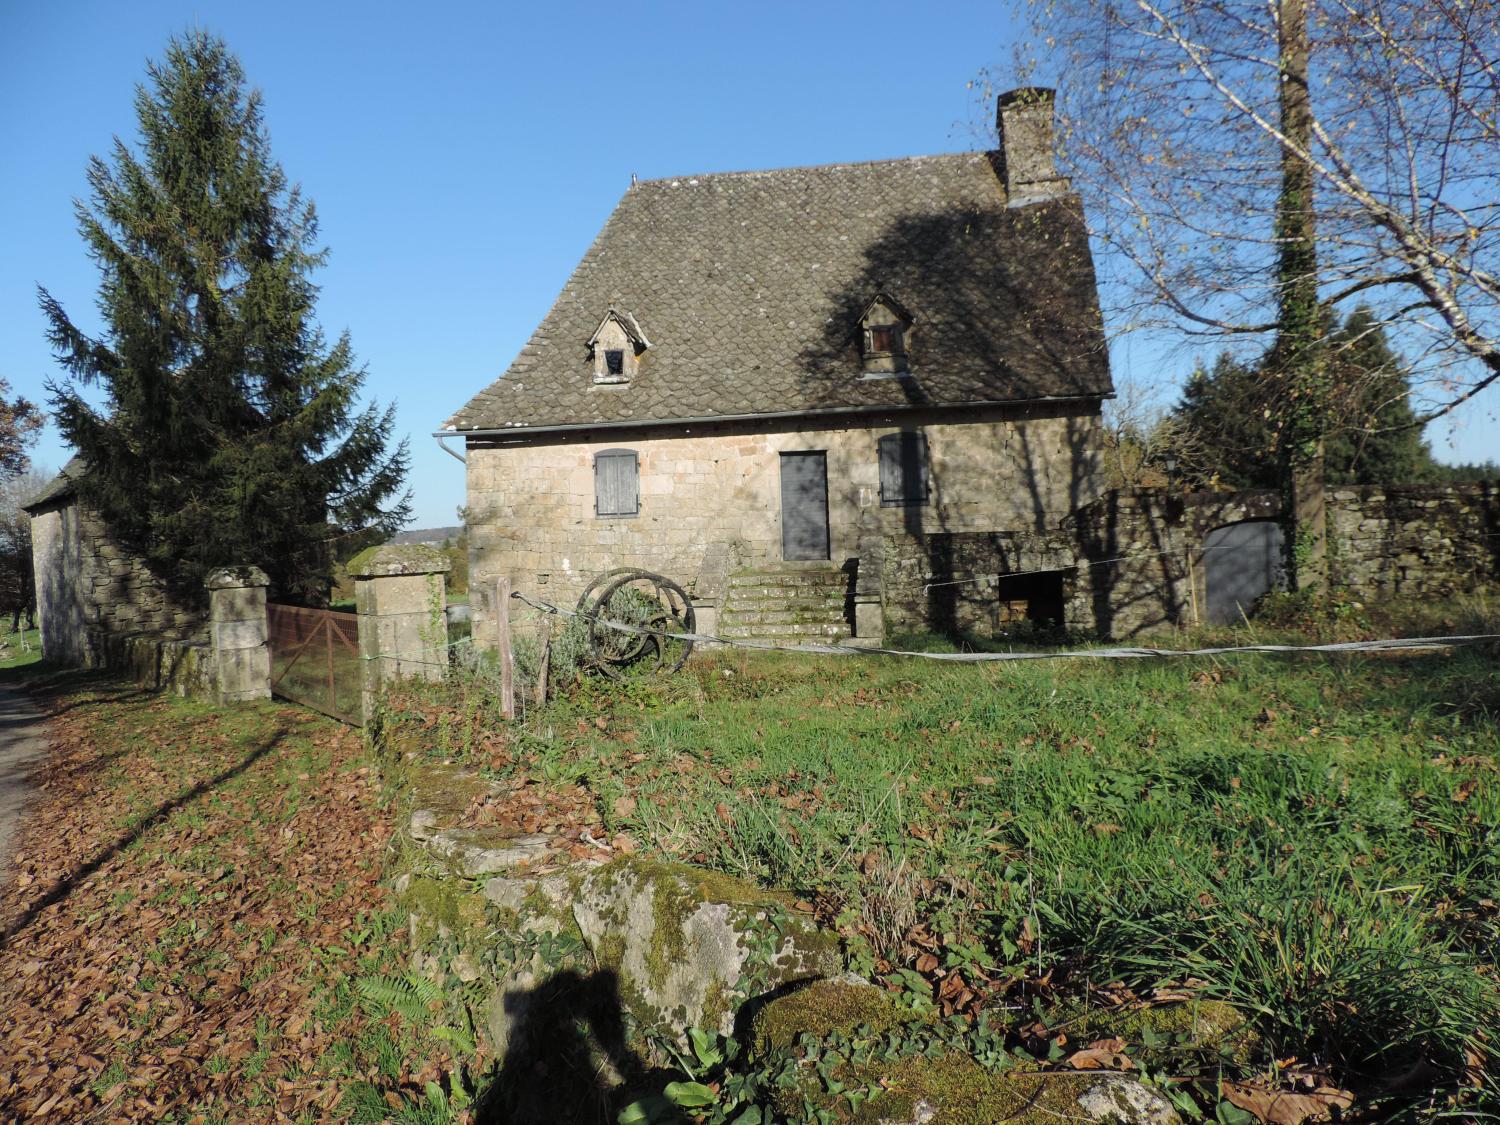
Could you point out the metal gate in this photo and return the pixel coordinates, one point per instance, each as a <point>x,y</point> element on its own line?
<point>315,660</point>
<point>1241,562</point>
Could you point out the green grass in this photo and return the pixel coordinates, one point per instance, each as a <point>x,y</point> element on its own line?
<point>1314,839</point>
<point>20,649</point>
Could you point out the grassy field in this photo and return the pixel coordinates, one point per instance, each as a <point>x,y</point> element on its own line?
<point>17,650</point>
<point>1315,840</point>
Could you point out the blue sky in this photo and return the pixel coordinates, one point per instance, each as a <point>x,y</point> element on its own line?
<point>463,155</point>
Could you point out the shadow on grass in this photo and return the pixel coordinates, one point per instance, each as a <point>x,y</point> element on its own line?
<point>67,883</point>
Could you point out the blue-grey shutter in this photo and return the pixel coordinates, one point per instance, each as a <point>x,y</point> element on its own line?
<point>903,469</point>
<point>616,483</point>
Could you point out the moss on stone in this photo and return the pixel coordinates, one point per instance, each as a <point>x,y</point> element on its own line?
<point>1199,1024</point>
<point>447,790</point>
<point>955,1089</point>
<point>823,1007</point>
<point>440,905</point>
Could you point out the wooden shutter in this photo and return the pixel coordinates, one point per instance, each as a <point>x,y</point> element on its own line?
<point>616,483</point>
<point>903,469</point>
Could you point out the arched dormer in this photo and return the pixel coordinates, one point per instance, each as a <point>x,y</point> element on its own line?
<point>616,348</point>
<point>885,327</point>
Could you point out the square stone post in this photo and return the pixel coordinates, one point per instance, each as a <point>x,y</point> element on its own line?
<point>401,599</point>
<point>237,621</point>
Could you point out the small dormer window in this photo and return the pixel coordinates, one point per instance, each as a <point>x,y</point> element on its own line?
<point>885,340</point>
<point>616,347</point>
<point>884,328</point>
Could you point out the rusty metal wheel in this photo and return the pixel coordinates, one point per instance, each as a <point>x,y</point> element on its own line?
<point>634,619</point>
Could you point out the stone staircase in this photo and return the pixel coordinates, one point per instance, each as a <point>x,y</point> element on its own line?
<point>786,604</point>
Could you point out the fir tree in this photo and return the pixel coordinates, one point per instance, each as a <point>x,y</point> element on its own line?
<point>1229,416</point>
<point>230,431</point>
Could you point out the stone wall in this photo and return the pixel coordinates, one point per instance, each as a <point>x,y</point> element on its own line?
<point>1132,561</point>
<point>710,495</point>
<point>1415,540</point>
<point>91,591</point>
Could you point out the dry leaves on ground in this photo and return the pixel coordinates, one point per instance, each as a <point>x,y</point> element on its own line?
<point>192,885</point>
<point>1311,1101</point>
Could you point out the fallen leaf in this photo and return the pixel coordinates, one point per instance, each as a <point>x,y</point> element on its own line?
<point>1103,1054</point>
<point>1285,1107</point>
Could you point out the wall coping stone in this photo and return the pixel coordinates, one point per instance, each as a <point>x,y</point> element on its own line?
<point>399,559</point>
<point>236,577</point>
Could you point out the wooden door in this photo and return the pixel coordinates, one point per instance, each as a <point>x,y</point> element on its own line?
<point>804,505</point>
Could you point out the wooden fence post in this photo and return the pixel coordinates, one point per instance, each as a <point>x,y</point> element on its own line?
<point>544,662</point>
<point>502,626</point>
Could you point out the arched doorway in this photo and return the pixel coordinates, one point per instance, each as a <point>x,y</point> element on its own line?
<point>1241,562</point>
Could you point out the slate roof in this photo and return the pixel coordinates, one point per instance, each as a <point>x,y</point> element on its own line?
<point>750,287</point>
<point>58,488</point>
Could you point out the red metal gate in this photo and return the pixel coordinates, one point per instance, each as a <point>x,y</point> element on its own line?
<point>315,660</point>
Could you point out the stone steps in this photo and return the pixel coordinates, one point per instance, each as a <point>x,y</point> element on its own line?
<point>762,597</point>
<point>791,633</point>
<point>787,605</point>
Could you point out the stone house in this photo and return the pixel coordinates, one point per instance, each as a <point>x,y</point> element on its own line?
<point>97,604</point>
<point>755,382</point>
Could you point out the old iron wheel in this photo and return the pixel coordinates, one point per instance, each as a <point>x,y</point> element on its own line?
<point>586,603</point>
<point>676,615</point>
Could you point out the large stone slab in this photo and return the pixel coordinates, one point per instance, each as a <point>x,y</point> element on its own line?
<point>689,946</point>
<point>911,1083</point>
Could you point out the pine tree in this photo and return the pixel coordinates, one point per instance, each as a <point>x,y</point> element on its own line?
<point>1375,438</point>
<point>1229,413</point>
<point>231,431</point>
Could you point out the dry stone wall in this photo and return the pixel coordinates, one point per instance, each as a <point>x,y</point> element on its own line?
<point>92,593</point>
<point>1133,561</point>
<point>1415,540</point>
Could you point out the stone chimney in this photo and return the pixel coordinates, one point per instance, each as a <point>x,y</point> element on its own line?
<point>1027,156</point>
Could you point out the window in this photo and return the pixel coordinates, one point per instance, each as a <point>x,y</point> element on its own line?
<point>883,335</point>
<point>615,349</point>
<point>617,489</point>
<point>903,469</point>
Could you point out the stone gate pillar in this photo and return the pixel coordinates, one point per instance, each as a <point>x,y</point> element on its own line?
<point>402,604</point>
<point>237,622</point>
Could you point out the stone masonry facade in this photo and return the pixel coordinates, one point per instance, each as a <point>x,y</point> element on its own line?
<point>92,593</point>
<point>1131,562</point>
<point>710,499</point>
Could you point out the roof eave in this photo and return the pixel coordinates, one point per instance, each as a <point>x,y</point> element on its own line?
<point>832,411</point>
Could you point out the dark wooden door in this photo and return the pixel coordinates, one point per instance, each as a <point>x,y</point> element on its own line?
<point>1241,562</point>
<point>804,505</point>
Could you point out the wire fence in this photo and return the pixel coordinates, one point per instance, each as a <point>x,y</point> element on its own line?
<point>1390,644</point>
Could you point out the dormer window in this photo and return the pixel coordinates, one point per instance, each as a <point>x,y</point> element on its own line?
<point>884,329</point>
<point>616,348</point>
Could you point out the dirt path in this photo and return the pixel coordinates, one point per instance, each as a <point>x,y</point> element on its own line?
<point>22,744</point>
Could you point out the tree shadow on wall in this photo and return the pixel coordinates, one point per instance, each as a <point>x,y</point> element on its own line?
<point>567,1060</point>
<point>1005,308</point>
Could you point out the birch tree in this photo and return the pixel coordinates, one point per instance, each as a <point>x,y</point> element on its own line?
<point>1190,127</point>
